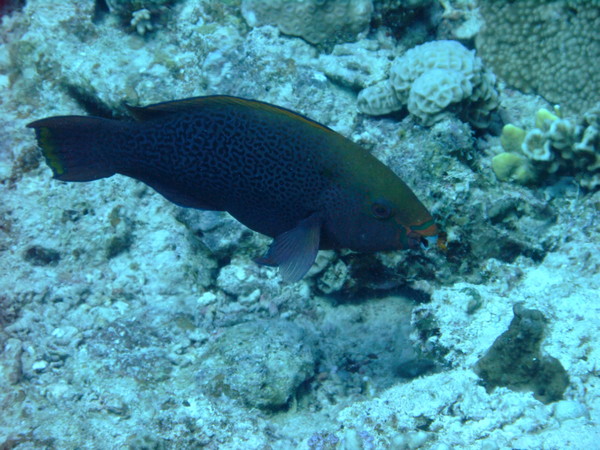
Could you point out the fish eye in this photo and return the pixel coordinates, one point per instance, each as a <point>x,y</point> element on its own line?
<point>380,210</point>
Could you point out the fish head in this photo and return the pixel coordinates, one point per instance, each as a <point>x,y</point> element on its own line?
<point>383,224</point>
<point>369,207</point>
<point>380,217</point>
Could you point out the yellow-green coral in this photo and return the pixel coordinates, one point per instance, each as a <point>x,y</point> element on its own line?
<point>544,118</point>
<point>536,146</point>
<point>512,138</point>
<point>555,145</point>
<point>512,167</point>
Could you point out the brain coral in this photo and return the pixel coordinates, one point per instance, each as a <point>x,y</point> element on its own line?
<point>314,20</point>
<point>434,79</point>
<point>548,47</point>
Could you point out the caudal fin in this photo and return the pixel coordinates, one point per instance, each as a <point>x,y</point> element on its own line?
<point>76,148</point>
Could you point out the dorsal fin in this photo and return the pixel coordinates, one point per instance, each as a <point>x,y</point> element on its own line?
<point>141,114</point>
<point>157,110</point>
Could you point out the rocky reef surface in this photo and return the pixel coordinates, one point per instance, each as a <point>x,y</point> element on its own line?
<point>128,322</point>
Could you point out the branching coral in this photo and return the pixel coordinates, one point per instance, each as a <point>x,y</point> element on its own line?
<point>554,146</point>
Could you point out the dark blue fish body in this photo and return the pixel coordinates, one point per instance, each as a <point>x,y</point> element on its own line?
<point>275,171</point>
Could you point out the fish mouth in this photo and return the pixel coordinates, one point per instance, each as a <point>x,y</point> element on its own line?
<point>428,228</point>
<point>427,241</point>
<point>416,240</point>
<point>426,235</point>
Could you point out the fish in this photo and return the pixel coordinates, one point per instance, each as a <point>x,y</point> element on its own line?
<point>277,172</point>
<point>9,6</point>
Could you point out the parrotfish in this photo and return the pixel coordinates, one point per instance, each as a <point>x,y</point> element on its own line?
<point>277,172</point>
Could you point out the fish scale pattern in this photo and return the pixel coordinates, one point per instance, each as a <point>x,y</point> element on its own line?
<point>277,172</point>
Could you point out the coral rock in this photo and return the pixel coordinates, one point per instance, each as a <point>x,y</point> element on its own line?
<point>433,80</point>
<point>515,359</point>
<point>314,20</point>
<point>261,362</point>
<point>547,47</point>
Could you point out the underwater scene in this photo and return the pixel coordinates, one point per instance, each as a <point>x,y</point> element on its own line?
<point>299,224</point>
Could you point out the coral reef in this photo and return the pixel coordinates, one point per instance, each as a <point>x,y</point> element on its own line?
<point>266,361</point>
<point>515,359</point>
<point>317,21</point>
<point>547,47</point>
<point>461,20</point>
<point>433,80</point>
<point>409,22</point>
<point>359,64</point>
<point>556,146</point>
<point>139,15</point>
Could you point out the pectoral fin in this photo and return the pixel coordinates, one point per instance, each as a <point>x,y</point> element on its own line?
<point>295,250</point>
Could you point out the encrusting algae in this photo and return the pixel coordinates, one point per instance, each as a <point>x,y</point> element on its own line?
<point>277,172</point>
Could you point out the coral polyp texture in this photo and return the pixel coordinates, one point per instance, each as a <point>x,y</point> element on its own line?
<point>550,48</point>
<point>555,146</point>
<point>316,21</point>
<point>434,80</point>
